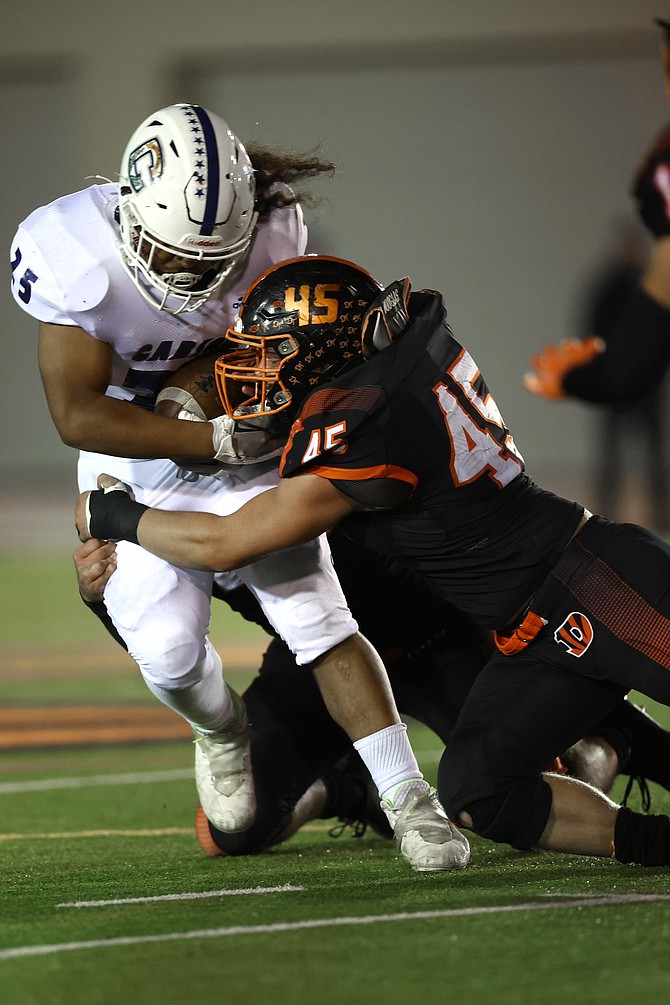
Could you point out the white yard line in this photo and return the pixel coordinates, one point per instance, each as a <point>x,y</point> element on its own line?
<point>295,926</point>
<point>72,835</point>
<point>287,888</point>
<point>90,781</point>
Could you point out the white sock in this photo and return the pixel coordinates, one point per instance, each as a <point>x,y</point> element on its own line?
<point>389,758</point>
<point>205,705</point>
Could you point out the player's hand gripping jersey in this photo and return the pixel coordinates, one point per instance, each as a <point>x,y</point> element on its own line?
<point>443,458</point>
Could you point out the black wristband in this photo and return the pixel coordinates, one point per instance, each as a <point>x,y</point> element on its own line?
<point>114,516</point>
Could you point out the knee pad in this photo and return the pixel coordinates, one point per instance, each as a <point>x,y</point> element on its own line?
<point>181,661</point>
<point>516,816</point>
<point>163,617</point>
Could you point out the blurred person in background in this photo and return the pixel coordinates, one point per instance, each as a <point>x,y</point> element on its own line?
<point>636,357</point>
<point>640,425</point>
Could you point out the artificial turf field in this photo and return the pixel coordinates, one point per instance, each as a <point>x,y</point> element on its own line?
<point>106,898</point>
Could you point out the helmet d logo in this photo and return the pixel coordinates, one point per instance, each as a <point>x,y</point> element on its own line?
<point>145,164</point>
<point>576,634</point>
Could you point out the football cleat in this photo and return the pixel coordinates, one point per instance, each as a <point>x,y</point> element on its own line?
<point>425,835</point>
<point>223,773</point>
<point>354,800</point>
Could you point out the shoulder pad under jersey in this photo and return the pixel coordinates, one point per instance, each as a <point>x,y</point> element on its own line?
<point>59,247</point>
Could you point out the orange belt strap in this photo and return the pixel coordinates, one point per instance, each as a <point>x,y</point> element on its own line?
<point>524,633</point>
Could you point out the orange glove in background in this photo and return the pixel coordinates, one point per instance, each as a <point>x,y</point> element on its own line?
<point>551,365</point>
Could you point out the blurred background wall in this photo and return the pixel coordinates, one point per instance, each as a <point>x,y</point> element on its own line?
<point>483,148</point>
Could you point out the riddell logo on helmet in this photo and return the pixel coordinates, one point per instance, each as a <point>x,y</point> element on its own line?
<point>203,242</point>
<point>576,634</point>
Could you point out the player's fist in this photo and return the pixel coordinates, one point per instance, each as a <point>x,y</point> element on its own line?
<point>246,440</point>
<point>94,563</point>
<point>550,366</point>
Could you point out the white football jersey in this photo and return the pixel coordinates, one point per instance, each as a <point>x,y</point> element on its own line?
<point>66,270</point>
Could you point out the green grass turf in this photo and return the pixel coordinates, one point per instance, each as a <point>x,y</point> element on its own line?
<point>108,841</point>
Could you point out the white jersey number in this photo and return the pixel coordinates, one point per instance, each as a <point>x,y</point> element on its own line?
<point>481,443</point>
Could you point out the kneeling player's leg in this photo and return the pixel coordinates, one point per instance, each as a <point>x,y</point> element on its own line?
<point>585,822</point>
<point>628,741</point>
<point>517,718</point>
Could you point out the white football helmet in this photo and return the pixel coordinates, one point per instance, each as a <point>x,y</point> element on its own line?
<point>186,206</point>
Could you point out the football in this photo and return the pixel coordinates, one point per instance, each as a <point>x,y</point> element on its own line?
<point>192,389</point>
<point>190,393</point>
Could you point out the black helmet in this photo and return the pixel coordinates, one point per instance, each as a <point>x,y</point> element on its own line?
<point>299,326</point>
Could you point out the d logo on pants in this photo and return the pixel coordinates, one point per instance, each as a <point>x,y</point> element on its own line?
<point>576,634</point>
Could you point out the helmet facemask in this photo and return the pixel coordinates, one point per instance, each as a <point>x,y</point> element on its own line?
<point>185,290</point>
<point>249,379</point>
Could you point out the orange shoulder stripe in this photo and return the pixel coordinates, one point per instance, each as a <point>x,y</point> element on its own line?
<point>365,474</point>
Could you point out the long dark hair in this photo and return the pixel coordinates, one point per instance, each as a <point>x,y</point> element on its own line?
<point>273,166</point>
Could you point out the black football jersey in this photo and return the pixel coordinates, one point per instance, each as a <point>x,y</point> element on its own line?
<point>415,435</point>
<point>651,186</point>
